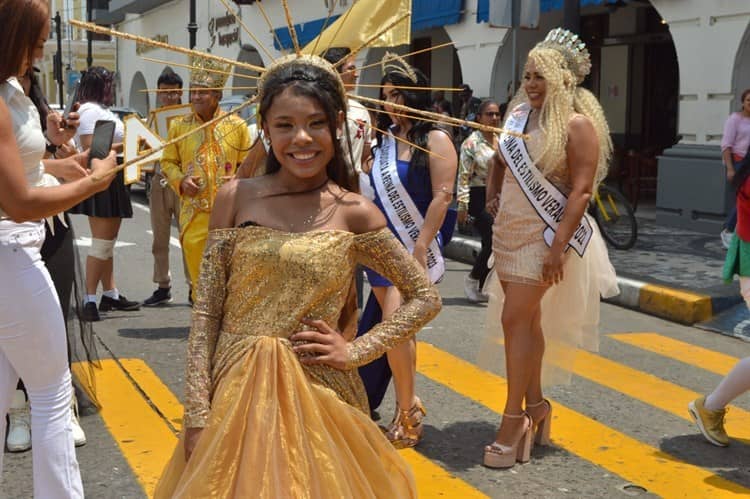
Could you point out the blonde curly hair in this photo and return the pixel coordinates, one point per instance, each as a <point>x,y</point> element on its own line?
<point>563,99</point>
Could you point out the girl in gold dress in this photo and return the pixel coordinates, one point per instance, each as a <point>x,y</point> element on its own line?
<point>547,294</point>
<point>274,406</point>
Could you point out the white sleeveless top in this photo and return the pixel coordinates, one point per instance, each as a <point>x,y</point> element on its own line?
<point>27,129</point>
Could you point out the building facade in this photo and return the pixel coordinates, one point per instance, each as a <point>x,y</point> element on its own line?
<point>668,73</point>
<point>74,47</point>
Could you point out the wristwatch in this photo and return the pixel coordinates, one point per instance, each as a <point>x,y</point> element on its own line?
<point>51,148</point>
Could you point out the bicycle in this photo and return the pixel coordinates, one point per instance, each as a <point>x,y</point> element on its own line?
<point>614,216</point>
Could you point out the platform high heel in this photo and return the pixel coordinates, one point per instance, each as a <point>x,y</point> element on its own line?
<point>502,456</point>
<point>542,426</point>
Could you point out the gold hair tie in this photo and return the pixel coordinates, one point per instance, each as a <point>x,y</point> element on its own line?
<point>302,59</point>
<point>394,63</point>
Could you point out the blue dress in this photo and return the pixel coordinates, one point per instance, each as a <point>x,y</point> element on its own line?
<point>377,375</point>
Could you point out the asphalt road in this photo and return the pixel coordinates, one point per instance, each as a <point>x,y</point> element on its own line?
<point>620,429</point>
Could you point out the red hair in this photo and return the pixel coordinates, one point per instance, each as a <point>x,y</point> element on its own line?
<point>22,22</point>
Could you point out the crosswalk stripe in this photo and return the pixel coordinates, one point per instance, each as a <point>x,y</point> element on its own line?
<point>652,390</point>
<point>687,353</point>
<point>157,392</point>
<point>432,480</point>
<point>145,440</point>
<point>435,482</point>
<point>632,460</point>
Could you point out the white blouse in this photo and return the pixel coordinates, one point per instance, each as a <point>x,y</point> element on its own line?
<point>27,129</point>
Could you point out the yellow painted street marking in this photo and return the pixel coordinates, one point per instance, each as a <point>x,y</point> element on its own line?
<point>435,482</point>
<point>432,480</point>
<point>680,306</point>
<point>155,389</point>
<point>652,390</point>
<point>145,440</point>
<point>687,353</point>
<point>632,460</point>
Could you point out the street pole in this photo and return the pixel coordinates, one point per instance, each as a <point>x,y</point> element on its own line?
<point>192,26</point>
<point>89,35</point>
<point>572,16</point>
<point>58,59</point>
<point>515,21</point>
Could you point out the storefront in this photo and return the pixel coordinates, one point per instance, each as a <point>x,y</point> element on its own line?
<point>667,73</point>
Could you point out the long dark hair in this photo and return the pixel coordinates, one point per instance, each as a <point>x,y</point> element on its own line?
<point>96,85</point>
<point>308,80</point>
<point>36,94</point>
<point>417,99</point>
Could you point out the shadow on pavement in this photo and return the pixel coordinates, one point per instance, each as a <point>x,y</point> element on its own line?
<point>158,333</point>
<point>729,463</point>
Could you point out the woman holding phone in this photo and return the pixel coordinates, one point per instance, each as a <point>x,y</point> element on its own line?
<point>31,322</point>
<point>107,209</point>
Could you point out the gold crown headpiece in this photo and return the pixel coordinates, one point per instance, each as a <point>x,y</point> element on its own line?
<point>302,59</point>
<point>572,49</point>
<point>394,63</point>
<point>208,72</point>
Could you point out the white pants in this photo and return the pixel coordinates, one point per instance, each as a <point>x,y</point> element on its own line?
<point>33,346</point>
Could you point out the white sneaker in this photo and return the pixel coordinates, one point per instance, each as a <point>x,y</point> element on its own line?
<point>19,430</point>
<point>79,437</point>
<point>726,238</point>
<point>472,292</point>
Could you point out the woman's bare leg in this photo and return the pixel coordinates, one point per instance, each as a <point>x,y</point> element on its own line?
<point>98,270</point>
<point>522,349</point>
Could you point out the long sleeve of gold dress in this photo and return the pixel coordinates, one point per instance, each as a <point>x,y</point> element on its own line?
<point>271,426</point>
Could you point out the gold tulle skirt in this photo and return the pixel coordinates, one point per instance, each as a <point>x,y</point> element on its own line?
<point>272,433</point>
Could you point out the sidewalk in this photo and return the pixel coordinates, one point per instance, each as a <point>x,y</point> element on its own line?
<point>671,273</point>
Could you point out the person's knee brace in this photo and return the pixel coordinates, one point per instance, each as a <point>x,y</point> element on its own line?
<point>102,249</point>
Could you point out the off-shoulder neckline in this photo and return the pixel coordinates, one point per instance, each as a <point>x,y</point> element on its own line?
<point>243,227</point>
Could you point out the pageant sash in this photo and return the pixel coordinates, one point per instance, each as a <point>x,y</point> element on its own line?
<point>399,207</point>
<point>548,201</point>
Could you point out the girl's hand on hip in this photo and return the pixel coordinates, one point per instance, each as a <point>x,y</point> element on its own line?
<point>324,345</point>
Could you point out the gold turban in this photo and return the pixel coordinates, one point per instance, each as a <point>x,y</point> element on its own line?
<point>208,72</point>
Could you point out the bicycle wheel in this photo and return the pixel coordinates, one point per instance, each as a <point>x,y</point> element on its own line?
<point>615,218</point>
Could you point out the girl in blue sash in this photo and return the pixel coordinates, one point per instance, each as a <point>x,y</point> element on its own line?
<point>414,189</point>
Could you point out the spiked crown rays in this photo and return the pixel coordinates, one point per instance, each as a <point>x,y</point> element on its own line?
<point>213,71</point>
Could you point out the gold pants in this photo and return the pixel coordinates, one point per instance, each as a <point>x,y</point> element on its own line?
<point>193,242</point>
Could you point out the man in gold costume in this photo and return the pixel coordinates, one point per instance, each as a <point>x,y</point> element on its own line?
<point>197,166</point>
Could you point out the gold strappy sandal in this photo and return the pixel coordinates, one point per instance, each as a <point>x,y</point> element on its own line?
<point>406,429</point>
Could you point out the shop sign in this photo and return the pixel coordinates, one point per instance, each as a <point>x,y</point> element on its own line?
<point>224,30</point>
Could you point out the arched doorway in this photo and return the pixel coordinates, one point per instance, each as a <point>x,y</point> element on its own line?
<point>741,73</point>
<point>249,55</point>
<point>138,99</point>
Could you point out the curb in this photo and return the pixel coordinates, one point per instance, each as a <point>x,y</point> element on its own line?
<point>661,301</point>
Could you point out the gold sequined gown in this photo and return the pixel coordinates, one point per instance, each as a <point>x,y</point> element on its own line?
<point>570,310</point>
<point>272,427</point>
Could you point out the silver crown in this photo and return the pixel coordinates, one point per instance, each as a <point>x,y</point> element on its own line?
<point>573,50</point>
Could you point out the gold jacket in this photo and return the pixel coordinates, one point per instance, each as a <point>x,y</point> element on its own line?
<point>212,155</point>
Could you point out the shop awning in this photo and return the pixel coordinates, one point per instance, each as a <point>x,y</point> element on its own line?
<point>483,8</point>
<point>426,14</point>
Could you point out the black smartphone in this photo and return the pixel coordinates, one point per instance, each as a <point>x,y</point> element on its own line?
<point>101,143</point>
<point>71,101</point>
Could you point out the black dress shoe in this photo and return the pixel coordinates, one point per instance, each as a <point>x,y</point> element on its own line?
<point>161,295</point>
<point>121,303</point>
<point>89,312</point>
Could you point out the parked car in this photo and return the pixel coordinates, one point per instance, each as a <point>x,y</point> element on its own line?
<point>249,114</point>
<point>121,112</point>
